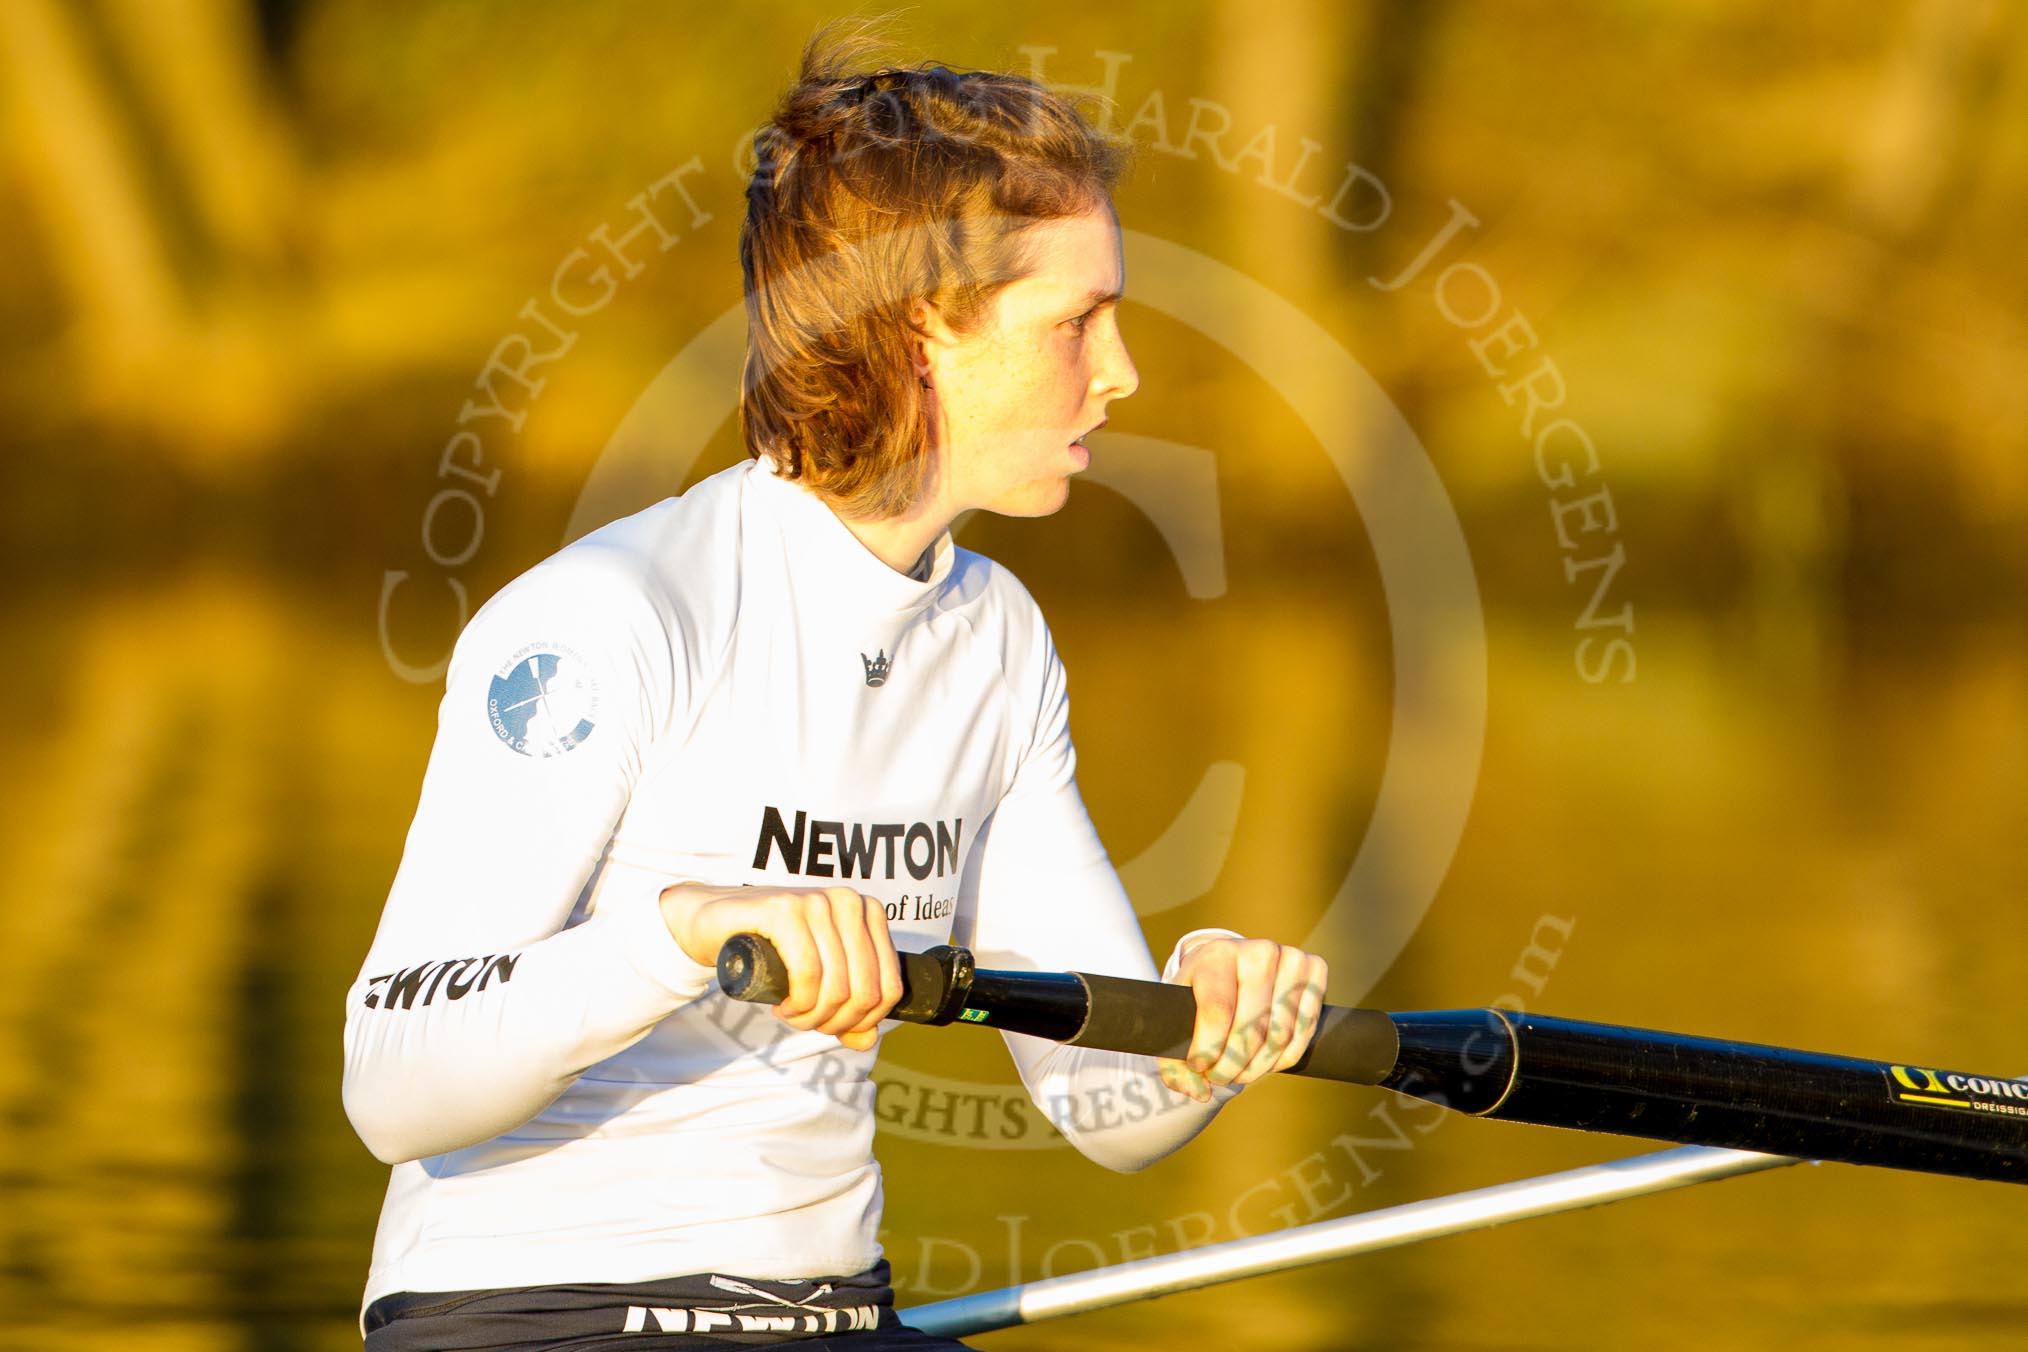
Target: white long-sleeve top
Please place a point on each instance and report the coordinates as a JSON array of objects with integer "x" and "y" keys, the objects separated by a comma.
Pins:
[{"x": 690, "y": 694}]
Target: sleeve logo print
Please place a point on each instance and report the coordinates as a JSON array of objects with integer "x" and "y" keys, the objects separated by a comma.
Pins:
[
  {"x": 399, "y": 989},
  {"x": 543, "y": 701}
]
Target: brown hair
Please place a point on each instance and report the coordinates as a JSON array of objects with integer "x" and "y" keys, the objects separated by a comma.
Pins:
[{"x": 871, "y": 191}]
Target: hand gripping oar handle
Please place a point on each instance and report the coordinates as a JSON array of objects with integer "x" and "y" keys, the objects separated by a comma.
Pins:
[
  {"x": 1150, "y": 1018},
  {"x": 933, "y": 984},
  {"x": 1517, "y": 1067}
]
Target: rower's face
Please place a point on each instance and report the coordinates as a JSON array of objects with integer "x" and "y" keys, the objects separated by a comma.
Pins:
[{"x": 1011, "y": 402}]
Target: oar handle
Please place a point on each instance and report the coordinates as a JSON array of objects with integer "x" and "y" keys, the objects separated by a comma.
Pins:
[
  {"x": 751, "y": 968},
  {"x": 1084, "y": 1009}
]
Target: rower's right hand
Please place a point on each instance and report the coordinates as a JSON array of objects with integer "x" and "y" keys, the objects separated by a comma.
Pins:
[{"x": 843, "y": 974}]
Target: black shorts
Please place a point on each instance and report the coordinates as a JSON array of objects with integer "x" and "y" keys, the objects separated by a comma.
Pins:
[{"x": 694, "y": 1313}]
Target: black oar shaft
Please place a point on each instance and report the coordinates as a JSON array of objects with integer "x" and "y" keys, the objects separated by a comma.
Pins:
[
  {"x": 1515, "y": 1067},
  {"x": 1705, "y": 1091}
]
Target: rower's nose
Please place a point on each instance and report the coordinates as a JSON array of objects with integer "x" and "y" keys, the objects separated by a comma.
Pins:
[{"x": 1114, "y": 376}]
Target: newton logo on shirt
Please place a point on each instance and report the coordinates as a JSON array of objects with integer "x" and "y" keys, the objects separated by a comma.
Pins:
[
  {"x": 543, "y": 701},
  {"x": 858, "y": 849}
]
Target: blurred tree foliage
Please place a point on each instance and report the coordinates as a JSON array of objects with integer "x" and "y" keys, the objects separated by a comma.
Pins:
[{"x": 258, "y": 251}]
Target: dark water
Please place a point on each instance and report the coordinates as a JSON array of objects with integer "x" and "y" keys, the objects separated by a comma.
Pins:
[{"x": 1776, "y": 832}]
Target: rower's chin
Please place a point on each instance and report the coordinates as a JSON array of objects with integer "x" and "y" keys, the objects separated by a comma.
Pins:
[{"x": 1041, "y": 497}]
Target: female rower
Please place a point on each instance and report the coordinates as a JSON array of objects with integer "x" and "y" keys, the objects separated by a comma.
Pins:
[{"x": 784, "y": 703}]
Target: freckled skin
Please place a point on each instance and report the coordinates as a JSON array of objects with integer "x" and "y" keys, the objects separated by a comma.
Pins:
[{"x": 1008, "y": 401}]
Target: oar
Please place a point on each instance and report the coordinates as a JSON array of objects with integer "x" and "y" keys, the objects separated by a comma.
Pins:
[
  {"x": 1303, "y": 1245},
  {"x": 1515, "y": 1067}
]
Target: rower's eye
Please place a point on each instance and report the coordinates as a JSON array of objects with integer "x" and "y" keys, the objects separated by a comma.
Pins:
[{"x": 1077, "y": 324}]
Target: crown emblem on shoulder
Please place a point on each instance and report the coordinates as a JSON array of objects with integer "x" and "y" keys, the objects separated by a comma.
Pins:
[{"x": 876, "y": 667}]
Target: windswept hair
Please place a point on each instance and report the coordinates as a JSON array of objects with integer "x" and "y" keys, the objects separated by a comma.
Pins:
[{"x": 870, "y": 191}]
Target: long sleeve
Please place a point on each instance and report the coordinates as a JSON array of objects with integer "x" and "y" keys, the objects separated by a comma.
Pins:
[
  {"x": 1041, "y": 895},
  {"x": 498, "y": 975}
]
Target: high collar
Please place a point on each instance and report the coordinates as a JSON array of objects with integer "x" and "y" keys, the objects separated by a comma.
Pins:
[{"x": 829, "y": 561}]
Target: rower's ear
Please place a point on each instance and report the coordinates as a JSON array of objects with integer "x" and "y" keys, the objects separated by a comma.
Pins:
[{"x": 929, "y": 337}]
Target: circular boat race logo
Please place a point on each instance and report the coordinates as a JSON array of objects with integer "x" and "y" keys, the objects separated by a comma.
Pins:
[{"x": 543, "y": 701}]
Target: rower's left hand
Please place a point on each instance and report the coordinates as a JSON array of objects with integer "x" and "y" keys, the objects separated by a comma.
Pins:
[{"x": 1257, "y": 1006}]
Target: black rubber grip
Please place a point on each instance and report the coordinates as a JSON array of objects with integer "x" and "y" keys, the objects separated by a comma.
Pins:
[
  {"x": 1149, "y": 1018},
  {"x": 1356, "y": 1046}
]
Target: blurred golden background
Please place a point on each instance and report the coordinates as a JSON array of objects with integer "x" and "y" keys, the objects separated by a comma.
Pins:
[{"x": 325, "y": 318}]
